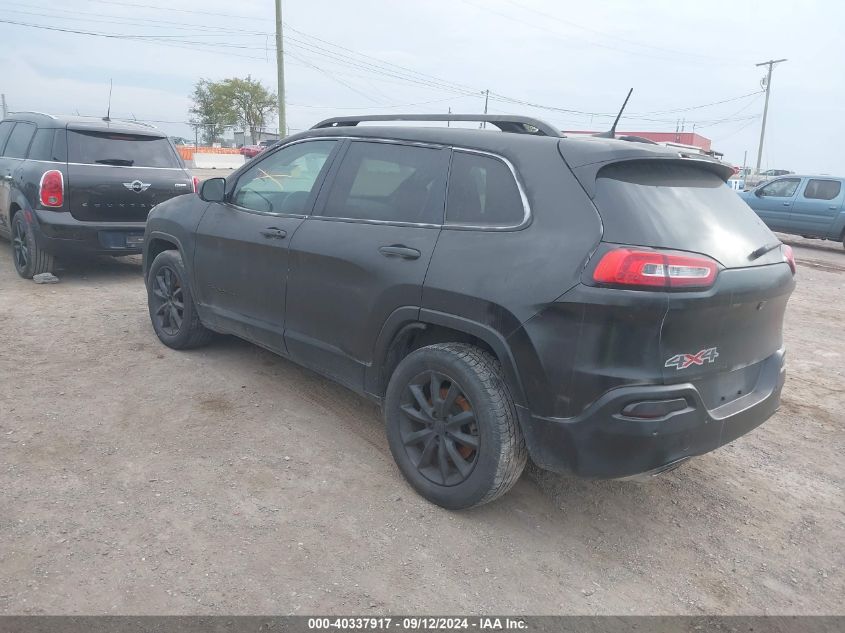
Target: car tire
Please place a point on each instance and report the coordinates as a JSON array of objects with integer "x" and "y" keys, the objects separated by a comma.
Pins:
[
  {"x": 171, "y": 304},
  {"x": 29, "y": 258},
  {"x": 471, "y": 419}
]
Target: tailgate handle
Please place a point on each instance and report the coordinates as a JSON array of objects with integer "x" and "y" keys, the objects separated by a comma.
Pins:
[
  {"x": 274, "y": 233},
  {"x": 399, "y": 251}
]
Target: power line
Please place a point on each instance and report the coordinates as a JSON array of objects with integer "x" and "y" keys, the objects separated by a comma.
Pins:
[
  {"x": 398, "y": 105},
  {"x": 731, "y": 117},
  {"x": 738, "y": 130},
  {"x": 138, "y": 38},
  {"x": 332, "y": 76},
  {"x": 616, "y": 37},
  {"x": 85, "y": 16},
  {"x": 704, "y": 105},
  {"x": 134, "y": 5},
  {"x": 569, "y": 38},
  {"x": 349, "y": 58}
]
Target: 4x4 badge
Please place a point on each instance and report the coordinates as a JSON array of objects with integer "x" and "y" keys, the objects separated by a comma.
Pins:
[
  {"x": 682, "y": 361},
  {"x": 137, "y": 186}
]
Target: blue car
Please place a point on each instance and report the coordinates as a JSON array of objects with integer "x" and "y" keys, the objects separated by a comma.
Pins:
[{"x": 810, "y": 206}]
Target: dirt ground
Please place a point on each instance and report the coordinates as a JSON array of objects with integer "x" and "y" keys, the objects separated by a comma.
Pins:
[{"x": 139, "y": 480}]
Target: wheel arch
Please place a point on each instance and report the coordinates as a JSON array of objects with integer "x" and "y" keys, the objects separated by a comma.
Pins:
[
  {"x": 156, "y": 244},
  {"x": 408, "y": 329},
  {"x": 17, "y": 204}
]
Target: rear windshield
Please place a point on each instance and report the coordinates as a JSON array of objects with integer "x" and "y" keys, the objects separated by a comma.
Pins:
[
  {"x": 671, "y": 205},
  {"x": 127, "y": 150}
]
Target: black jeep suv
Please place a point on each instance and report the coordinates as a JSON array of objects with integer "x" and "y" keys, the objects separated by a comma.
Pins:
[
  {"x": 71, "y": 184},
  {"x": 606, "y": 307}
]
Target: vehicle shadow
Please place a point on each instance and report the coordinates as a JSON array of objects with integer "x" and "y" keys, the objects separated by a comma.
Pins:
[
  {"x": 541, "y": 497},
  {"x": 96, "y": 268}
]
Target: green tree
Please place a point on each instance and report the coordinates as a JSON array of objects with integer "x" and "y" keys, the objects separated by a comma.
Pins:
[
  {"x": 211, "y": 110},
  {"x": 253, "y": 104}
]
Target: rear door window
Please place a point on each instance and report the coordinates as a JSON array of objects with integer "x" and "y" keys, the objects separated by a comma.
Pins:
[
  {"x": 389, "y": 182},
  {"x": 783, "y": 188},
  {"x": 125, "y": 150},
  {"x": 482, "y": 192},
  {"x": 18, "y": 142},
  {"x": 817, "y": 189},
  {"x": 42, "y": 145},
  {"x": 5, "y": 131}
]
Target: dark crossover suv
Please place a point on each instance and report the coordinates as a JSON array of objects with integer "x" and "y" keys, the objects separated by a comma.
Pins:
[
  {"x": 606, "y": 307},
  {"x": 71, "y": 184}
]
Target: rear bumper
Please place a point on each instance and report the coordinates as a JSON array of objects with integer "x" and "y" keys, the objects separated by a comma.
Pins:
[
  {"x": 59, "y": 233},
  {"x": 603, "y": 443}
]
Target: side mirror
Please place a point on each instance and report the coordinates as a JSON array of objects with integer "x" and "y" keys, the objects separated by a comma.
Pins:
[
  {"x": 213, "y": 190},
  {"x": 758, "y": 192}
]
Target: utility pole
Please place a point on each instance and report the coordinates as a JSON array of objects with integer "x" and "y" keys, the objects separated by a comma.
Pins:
[
  {"x": 486, "y": 99},
  {"x": 280, "y": 70},
  {"x": 770, "y": 64},
  {"x": 3, "y": 105}
]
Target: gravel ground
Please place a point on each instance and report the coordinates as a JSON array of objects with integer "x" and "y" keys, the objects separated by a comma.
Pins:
[{"x": 139, "y": 480}]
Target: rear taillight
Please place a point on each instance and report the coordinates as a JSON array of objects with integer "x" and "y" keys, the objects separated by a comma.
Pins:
[
  {"x": 655, "y": 270},
  {"x": 196, "y": 182},
  {"x": 788, "y": 256},
  {"x": 51, "y": 190}
]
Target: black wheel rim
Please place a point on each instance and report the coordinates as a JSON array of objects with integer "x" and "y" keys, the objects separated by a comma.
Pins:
[
  {"x": 438, "y": 429},
  {"x": 20, "y": 245},
  {"x": 168, "y": 301}
]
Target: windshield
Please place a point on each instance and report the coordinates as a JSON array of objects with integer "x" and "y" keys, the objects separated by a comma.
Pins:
[
  {"x": 127, "y": 150},
  {"x": 685, "y": 207}
]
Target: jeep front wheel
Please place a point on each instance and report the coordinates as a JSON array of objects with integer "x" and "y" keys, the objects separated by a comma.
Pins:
[{"x": 171, "y": 304}]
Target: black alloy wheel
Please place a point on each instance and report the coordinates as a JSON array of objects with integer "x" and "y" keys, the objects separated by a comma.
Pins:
[
  {"x": 20, "y": 245},
  {"x": 438, "y": 429},
  {"x": 168, "y": 303},
  {"x": 29, "y": 258}
]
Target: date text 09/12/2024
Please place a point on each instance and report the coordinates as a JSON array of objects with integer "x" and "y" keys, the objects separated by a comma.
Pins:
[{"x": 417, "y": 623}]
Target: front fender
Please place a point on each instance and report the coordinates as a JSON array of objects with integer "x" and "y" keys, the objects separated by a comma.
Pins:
[{"x": 176, "y": 221}]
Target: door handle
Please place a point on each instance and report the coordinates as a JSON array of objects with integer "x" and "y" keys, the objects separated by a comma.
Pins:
[
  {"x": 399, "y": 251},
  {"x": 786, "y": 204},
  {"x": 274, "y": 233},
  {"x": 833, "y": 208}
]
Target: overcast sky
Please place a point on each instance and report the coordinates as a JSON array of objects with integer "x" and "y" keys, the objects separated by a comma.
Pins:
[{"x": 568, "y": 57}]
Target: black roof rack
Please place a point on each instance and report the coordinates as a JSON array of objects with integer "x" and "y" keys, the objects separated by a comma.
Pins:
[{"x": 506, "y": 122}]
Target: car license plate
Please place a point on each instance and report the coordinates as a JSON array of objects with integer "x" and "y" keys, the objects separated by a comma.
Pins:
[{"x": 134, "y": 240}]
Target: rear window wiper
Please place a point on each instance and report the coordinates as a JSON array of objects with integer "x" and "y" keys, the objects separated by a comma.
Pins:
[
  {"x": 755, "y": 254},
  {"x": 122, "y": 162}
]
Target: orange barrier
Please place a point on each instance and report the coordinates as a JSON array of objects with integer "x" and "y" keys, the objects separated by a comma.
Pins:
[{"x": 187, "y": 153}]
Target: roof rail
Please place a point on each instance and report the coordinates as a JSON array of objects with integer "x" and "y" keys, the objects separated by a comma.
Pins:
[
  {"x": 33, "y": 112},
  {"x": 506, "y": 122}
]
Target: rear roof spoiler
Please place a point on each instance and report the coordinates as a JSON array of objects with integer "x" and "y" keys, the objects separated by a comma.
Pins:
[{"x": 506, "y": 122}]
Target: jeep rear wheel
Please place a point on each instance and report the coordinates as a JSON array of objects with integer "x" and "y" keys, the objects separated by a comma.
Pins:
[
  {"x": 171, "y": 304},
  {"x": 29, "y": 258},
  {"x": 452, "y": 426}
]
